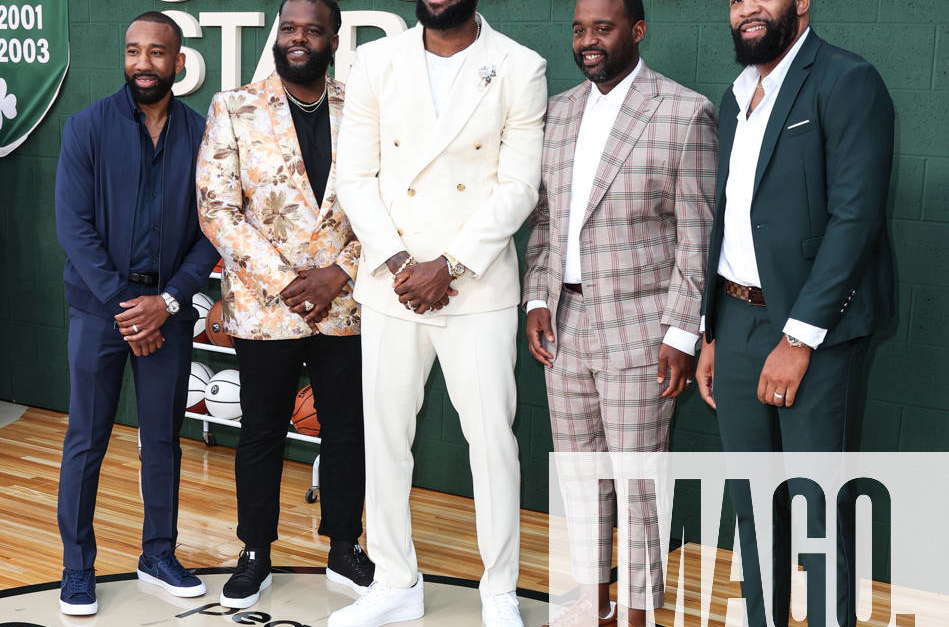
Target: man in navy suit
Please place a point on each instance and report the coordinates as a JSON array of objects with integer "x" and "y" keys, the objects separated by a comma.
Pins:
[{"x": 127, "y": 220}]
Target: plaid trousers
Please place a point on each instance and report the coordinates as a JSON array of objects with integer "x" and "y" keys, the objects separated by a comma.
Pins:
[{"x": 596, "y": 408}]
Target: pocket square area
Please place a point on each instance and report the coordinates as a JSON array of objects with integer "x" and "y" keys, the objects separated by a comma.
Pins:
[{"x": 799, "y": 124}]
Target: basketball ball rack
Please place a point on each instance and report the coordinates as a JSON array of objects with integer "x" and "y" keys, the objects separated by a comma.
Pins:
[{"x": 312, "y": 494}]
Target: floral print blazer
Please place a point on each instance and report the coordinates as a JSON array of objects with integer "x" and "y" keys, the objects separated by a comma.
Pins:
[{"x": 257, "y": 207}]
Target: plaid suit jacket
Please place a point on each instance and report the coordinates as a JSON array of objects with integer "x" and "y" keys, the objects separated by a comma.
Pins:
[{"x": 644, "y": 240}]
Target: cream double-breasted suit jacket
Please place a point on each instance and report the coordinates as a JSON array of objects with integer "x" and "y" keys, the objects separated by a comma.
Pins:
[{"x": 461, "y": 183}]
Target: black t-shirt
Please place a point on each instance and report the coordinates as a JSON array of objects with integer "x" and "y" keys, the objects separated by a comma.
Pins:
[{"x": 316, "y": 144}]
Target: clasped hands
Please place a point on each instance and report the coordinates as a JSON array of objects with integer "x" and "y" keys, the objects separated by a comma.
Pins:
[
  {"x": 421, "y": 287},
  {"x": 140, "y": 324},
  {"x": 311, "y": 294}
]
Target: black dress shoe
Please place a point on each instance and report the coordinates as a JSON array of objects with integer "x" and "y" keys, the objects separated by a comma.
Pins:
[
  {"x": 250, "y": 577},
  {"x": 349, "y": 566}
]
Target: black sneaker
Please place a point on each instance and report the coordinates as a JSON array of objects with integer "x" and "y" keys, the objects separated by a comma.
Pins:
[
  {"x": 349, "y": 566},
  {"x": 250, "y": 577}
]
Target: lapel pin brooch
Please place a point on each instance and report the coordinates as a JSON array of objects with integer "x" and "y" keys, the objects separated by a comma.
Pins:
[{"x": 487, "y": 73}]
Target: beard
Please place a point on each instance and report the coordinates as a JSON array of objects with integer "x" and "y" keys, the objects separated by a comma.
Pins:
[
  {"x": 610, "y": 68},
  {"x": 149, "y": 95},
  {"x": 778, "y": 36},
  {"x": 451, "y": 17},
  {"x": 313, "y": 70}
]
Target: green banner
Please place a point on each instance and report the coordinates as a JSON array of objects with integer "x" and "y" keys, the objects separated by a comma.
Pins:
[{"x": 34, "y": 57}]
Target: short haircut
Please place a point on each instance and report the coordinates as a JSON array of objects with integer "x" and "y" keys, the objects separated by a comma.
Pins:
[
  {"x": 158, "y": 17},
  {"x": 635, "y": 10},
  {"x": 333, "y": 7}
]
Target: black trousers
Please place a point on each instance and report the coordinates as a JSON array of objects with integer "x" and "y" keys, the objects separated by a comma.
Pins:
[
  {"x": 270, "y": 372},
  {"x": 824, "y": 418}
]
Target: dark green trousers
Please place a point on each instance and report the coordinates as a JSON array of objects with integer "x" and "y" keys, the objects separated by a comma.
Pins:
[{"x": 825, "y": 418}]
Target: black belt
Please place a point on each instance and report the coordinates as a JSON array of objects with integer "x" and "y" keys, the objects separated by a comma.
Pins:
[
  {"x": 143, "y": 279},
  {"x": 576, "y": 288}
]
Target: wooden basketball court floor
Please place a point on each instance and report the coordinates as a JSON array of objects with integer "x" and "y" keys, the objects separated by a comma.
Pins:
[{"x": 443, "y": 525}]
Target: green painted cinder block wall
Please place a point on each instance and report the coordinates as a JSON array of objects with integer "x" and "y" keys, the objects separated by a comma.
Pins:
[{"x": 688, "y": 40}]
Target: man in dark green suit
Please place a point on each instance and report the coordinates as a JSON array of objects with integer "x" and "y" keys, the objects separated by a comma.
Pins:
[{"x": 799, "y": 248}]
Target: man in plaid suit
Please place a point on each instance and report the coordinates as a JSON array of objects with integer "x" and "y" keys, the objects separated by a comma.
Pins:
[{"x": 615, "y": 274}]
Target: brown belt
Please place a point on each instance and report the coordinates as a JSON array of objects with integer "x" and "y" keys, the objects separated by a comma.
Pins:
[
  {"x": 576, "y": 288},
  {"x": 751, "y": 295}
]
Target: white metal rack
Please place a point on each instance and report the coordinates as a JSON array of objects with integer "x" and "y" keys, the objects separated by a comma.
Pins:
[{"x": 207, "y": 420}]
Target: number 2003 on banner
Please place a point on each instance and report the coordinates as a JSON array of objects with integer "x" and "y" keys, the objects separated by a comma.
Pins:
[{"x": 22, "y": 17}]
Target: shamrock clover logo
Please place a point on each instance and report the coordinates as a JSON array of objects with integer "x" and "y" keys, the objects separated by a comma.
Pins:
[{"x": 7, "y": 103}]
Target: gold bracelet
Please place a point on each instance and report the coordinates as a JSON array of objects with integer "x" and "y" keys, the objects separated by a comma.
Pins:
[{"x": 405, "y": 264}]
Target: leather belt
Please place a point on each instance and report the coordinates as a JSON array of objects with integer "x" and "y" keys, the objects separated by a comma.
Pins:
[
  {"x": 751, "y": 295},
  {"x": 143, "y": 279},
  {"x": 576, "y": 288}
]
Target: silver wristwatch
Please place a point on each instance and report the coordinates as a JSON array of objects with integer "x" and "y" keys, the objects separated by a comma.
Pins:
[
  {"x": 793, "y": 341},
  {"x": 171, "y": 303}
]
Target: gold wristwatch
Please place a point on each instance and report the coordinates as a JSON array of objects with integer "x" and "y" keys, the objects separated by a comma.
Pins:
[{"x": 455, "y": 268}]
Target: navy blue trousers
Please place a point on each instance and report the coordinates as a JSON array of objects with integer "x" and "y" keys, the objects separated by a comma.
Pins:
[{"x": 97, "y": 359}]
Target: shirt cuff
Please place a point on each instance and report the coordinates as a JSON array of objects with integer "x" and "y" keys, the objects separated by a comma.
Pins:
[
  {"x": 535, "y": 304},
  {"x": 174, "y": 292},
  {"x": 702, "y": 326},
  {"x": 807, "y": 333},
  {"x": 681, "y": 340}
]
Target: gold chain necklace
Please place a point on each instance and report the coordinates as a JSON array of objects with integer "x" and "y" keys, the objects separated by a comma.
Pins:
[{"x": 306, "y": 107}]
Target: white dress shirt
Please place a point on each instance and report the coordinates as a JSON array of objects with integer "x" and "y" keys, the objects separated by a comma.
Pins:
[
  {"x": 738, "y": 262},
  {"x": 599, "y": 117}
]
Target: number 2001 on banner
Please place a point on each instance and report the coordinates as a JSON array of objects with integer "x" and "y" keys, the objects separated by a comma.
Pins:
[{"x": 29, "y": 50}]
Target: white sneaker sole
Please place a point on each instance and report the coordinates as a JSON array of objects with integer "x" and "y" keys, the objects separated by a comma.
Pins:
[
  {"x": 342, "y": 580},
  {"x": 246, "y": 602},
  {"x": 78, "y": 610},
  {"x": 186, "y": 593},
  {"x": 402, "y": 614}
]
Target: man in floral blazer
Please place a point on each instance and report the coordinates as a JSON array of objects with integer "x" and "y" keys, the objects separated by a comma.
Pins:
[{"x": 267, "y": 201}]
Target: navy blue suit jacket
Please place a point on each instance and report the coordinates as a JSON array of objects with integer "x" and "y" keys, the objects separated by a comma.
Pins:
[{"x": 97, "y": 183}]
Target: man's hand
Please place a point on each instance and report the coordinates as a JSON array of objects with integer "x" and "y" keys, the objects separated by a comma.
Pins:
[
  {"x": 424, "y": 286},
  {"x": 782, "y": 374},
  {"x": 395, "y": 261},
  {"x": 705, "y": 372},
  {"x": 148, "y": 345},
  {"x": 143, "y": 316},
  {"x": 675, "y": 367},
  {"x": 312, "y": 292},
  {"x": 539, "y": 330}
]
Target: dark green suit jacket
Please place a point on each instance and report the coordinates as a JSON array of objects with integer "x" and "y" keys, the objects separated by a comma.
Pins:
[{"x": 819, "y": 207}]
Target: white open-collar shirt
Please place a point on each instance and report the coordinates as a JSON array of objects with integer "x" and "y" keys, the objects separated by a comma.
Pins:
[{"x": 599, "y": 117}]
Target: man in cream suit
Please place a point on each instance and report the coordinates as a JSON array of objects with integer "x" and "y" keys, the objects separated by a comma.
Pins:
[
  {"x": 615, "y": 270},
  {"x": 439, "y": 165}
]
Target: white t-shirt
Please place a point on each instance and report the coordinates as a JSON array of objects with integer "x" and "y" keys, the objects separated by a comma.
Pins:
[{"x": 442, "y": 72}]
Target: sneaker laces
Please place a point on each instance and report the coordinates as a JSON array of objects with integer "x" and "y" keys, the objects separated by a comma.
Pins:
[
  {"x": 376, "y": 590},
  {"x": 243, "y": 572},
  {"x": 172, "y": 564},
  {"x": 504, "y": 605},
  {"x": 361, "y": 562},
  {"x": 78, "y": 580}
]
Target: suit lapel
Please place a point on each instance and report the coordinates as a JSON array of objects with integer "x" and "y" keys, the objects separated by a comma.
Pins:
[
  {"x": 334, "y": 94},
  {"x": 285, "y": 134},
  {"x": 469, "y": 88},
  {"x": 575, "y": 108},
  {"x": 797, "y": 74},
  {"x": 633, "y": 118},
  {"x": 728, "y": 124}
]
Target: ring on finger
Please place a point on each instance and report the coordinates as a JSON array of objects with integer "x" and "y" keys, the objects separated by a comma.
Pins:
[
  {"x": 135, "y": 328},
  {"x": 308, "y": 306}
]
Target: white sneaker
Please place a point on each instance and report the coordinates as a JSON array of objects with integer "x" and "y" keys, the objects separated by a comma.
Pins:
[
  {"x": 500, "y": 610},
  {"x": 382, "y": 605}
]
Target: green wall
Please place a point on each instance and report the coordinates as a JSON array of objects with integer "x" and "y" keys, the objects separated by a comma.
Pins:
[{"x": 688, "y": 40}]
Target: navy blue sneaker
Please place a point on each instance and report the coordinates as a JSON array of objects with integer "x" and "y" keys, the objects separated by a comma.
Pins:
[
  {"x": 168, "y": 573},
  {"x": 77, "y": 592}
]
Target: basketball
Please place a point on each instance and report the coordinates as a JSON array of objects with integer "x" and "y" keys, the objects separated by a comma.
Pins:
[
  {"x": 304, "y": 418},
  {"x": 202, "y": 304},
  {"x": 223, "y": 395},
  {"x": 214, "y": 327},
  {"x": 197, "y": 384}
]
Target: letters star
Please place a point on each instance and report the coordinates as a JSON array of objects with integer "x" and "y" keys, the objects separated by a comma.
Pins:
[{"x": 7, "y": 103}]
